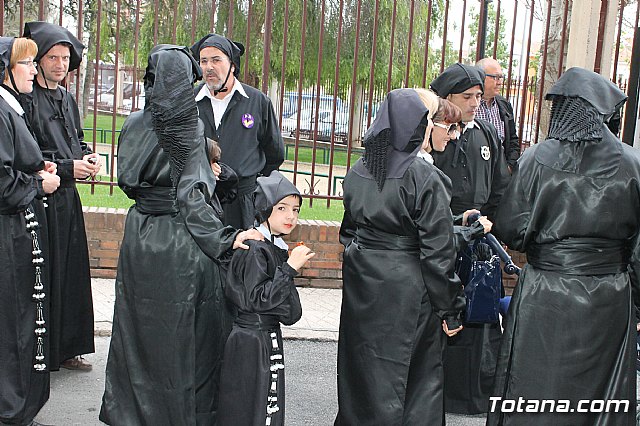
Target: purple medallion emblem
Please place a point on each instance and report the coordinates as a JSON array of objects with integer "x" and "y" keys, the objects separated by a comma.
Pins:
[{"x": 247, "y": 120}]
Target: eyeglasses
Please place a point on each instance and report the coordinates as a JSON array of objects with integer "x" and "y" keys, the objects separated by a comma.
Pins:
[
  {"x": 28, "y": 63},
  {"x": 496, "y": 77},
  {"x": 451, "y": 129}
]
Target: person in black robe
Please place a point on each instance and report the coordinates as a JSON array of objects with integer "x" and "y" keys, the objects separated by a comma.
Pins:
[
  {"x": 240, "y": 118},
  {"x": 170, "y": 317},
  {"x": 399, "y": 286},
  {"x": 260, "y": 284},
  {"x": 572, "y": 207},
  {"x": 477, "y": 168},
  {"x": 25, "y": 180},
  {"x": 55, "y": 120}
]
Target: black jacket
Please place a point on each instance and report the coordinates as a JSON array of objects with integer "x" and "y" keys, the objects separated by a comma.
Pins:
[
  {"x": 511, "y": 144},
  {"x": 249, "y": 149}
]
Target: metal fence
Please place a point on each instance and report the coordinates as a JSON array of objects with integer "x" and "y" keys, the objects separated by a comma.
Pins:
[{"x": 326, "y": 64}]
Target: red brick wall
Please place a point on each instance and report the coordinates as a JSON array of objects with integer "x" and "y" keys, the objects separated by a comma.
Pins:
[{"x": 105, "y": 228}]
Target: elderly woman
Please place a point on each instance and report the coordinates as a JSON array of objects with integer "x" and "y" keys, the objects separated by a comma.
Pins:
[
  {"x": 25, "y": 179},
  {"x": 170, "y": 319},
  {"x": 398, "y": 274}
]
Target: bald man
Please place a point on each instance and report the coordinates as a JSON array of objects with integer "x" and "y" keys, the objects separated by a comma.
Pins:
[{"x": 497, "y": 110}]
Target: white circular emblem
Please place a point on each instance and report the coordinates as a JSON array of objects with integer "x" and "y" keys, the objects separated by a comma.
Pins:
[{"x": 485, "y": 152}]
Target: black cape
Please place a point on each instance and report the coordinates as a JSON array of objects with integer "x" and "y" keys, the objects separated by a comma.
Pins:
[
  {"x": 249, "y": 151},
  {"x": 399, "y": 283},
  {"x": 55, "y": 121},
  {"x": 170, "y": 318},
  {"x": 260, "y": 284},
  {"x": 570, "y": 333},
  {"x": 23, "y": 391}
]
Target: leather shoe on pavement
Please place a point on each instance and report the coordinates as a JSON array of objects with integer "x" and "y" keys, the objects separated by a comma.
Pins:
[{"x": 76, "y": 363}]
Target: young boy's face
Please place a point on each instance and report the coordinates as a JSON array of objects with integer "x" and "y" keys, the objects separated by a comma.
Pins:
[{"x": 284, "y": 216}]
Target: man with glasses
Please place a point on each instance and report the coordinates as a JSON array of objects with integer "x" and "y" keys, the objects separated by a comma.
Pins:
[
  {"x": 240, "y": 118},
  {"x": 54, "y": 119},
  {"x": 498, "y": 111},
  {"x": 474, "y": 161}
]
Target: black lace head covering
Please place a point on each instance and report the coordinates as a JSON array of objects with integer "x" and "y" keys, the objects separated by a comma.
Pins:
[
  {"x": 47, "y": 35},
  {"x": 456, "y": 79},
  {"x": 395, "y": 136},
  {"x": 232, "y": 49},
  {"x": 582, "y": 101},
  {"x": 169, "y": 78},
  {"x": 269, "y": 191}
]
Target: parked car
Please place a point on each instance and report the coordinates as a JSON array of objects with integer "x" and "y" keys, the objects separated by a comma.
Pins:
[
  {"x": 325, "y": 123},
  {"x": 308, "y": 102}
]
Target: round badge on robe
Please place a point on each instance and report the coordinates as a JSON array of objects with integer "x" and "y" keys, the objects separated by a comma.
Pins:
[
  {"x": 247, "y": 120},
  {"x": 485, "y": 153}
]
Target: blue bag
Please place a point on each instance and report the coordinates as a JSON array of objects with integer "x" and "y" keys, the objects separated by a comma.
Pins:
[{"x": 479, "y": 270}]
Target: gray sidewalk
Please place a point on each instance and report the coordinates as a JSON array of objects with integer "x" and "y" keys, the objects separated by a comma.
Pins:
[{"x": 320, "y": 312}]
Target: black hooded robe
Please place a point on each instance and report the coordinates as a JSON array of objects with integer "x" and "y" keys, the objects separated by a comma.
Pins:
[
  {"x": 170, "y": 319},
  {"x": 570, "y": 333},
  {"x": 249, "y": 151},
  {"x": 260, "y": 284},
  {"x": 572, "y": 206},
  {"x": 55, "y": 121},
  {"x": 397, "y": 269},
  {"x": 398, "y": 275},
  {"x": 23, "y": 391}
]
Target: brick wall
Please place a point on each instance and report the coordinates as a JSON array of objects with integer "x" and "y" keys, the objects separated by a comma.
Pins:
[{"x": 105, "y": 228}]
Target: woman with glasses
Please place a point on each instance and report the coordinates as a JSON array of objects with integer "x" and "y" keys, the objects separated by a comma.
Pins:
[{"x": 25, "y": 180}]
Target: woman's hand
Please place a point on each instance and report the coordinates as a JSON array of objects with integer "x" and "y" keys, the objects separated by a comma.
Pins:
[
  {"x": 250, "y": 234},
  {"x": 50, "y": 181},
  {"x": 466, "y": 215},
  {"x": 299, "y": 256},
  {"x": 486, "y": 224},
  {"x": 448, "y": 332}
]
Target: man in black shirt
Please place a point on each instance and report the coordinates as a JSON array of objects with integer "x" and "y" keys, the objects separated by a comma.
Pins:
[
  {"x": 240, "y": 118},
  {"x": 55, "y": 121},
  {"x": 475, "y": 160}
]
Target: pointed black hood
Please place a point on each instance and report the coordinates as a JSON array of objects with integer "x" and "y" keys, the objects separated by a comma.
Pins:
[
  {"x": 597, "y": 90},
  {"x": 47, "y": 35}
]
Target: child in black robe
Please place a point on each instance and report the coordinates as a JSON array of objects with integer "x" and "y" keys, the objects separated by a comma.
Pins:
[{"x": 260, "y": 284}]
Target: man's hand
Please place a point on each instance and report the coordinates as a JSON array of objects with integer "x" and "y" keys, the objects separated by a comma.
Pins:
[{"x": 89, "y": 166}]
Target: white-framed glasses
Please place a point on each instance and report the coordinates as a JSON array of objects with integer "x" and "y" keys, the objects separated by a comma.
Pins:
[
  {"x": 28, "y": 63},
  {"x": 451, "y": 129}
]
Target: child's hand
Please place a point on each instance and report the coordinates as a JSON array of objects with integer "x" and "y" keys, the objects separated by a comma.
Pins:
[
  {"x": 299, "y": 256},
  {"x": 215, "y": 167}
]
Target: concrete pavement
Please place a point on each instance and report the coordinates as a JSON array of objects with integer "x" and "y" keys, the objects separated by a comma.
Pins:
[{"x": 320, "y": 312}]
